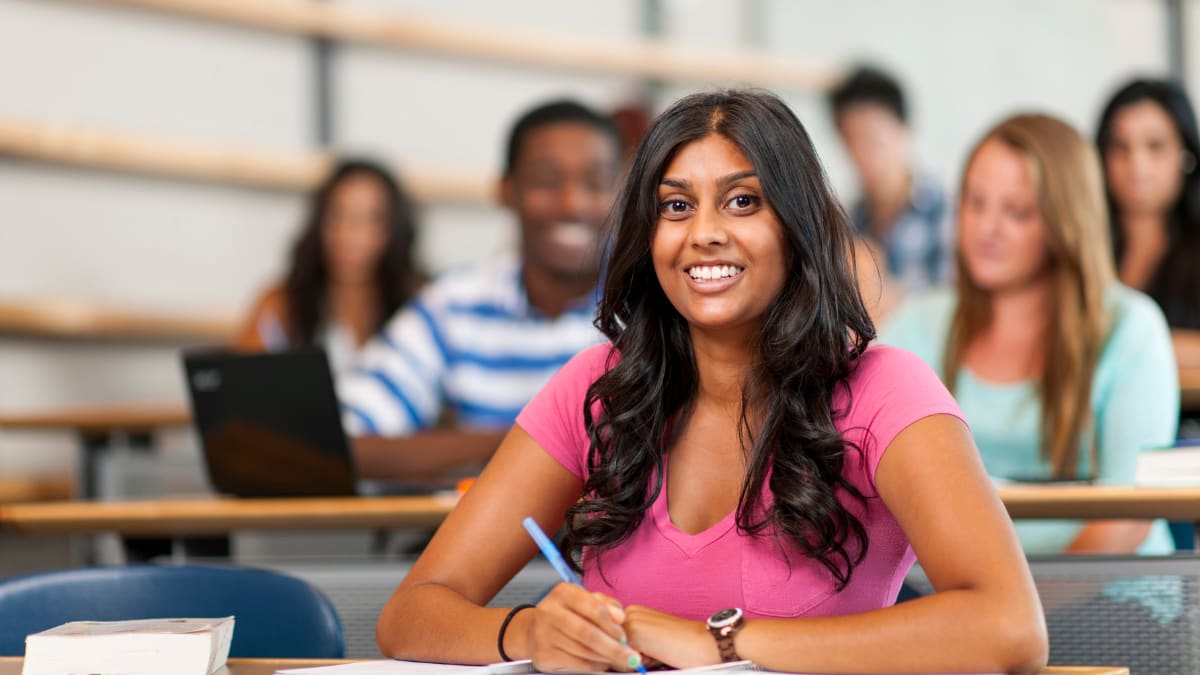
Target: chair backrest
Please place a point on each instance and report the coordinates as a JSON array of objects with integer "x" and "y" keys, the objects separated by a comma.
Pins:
[
  {"x": 1136, "y": 611},
  {"x": 276, "y": 615}
]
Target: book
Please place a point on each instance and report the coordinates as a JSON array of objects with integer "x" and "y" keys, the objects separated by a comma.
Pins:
[
  {"x": 1177, "y": 466},
  {"x": 141, "y": 647}
]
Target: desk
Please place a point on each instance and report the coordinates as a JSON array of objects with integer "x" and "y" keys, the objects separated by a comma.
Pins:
[
  {"x": 96, "y": 426},
  {"x": 81, "y": 320},
  {"x": 200, "y": 516},
  {"x": 10, "y": 665},
  {"x": 219, "y": 516},
  {"x": 1092, "y": 501},
  {"x": 99, "y": 419},
  {"x": 1189, "y": 390}
]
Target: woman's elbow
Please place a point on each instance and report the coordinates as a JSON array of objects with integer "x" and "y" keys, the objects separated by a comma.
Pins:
[
  {"x": 1022, "y": 644},
  {"x": 391, "y": 633}
]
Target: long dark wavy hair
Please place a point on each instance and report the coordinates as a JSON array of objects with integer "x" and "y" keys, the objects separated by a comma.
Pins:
[
  {"x": 1176, "y": 283},
  {"x": 397, "y": 276},
  {"x": 812, "y": 334}
]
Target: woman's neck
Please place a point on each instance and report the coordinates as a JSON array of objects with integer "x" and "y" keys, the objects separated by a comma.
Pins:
[
  {"x": 354, "y": 305},
  {"x": 1145, "y": 243},
  {"x": 1012, "y": 347},
  {"x": 722, "y": 364},
  {"x": 1023, "y": 310}
]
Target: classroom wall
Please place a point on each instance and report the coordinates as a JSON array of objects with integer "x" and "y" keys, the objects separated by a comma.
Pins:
[{"x": 156, "y": 243}]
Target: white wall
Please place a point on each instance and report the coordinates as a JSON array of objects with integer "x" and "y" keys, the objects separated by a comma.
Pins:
[{"x": 141, "y": 242}]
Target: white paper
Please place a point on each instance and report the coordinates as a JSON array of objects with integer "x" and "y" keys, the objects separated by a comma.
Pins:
[{"x": 389, "y": 667}]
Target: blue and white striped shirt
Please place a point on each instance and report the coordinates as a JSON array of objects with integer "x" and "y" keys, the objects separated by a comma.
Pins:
[{"x": 469, "y": 343}]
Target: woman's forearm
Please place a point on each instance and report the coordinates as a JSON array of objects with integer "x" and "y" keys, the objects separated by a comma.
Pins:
[
  {"x": 951, "y": 631},
  {"x": 428, "y": 621}
]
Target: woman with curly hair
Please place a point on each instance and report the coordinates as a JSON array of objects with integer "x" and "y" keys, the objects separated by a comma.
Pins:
[{"x": 740, "y": 476}]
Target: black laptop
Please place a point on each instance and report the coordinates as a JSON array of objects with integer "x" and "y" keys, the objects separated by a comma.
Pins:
[{"x": 270, "y": 423}]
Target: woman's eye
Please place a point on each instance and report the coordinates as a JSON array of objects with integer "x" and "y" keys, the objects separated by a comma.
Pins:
[
  {"x": 743, "y": 201},
  {"x": 673, "y": 206}
]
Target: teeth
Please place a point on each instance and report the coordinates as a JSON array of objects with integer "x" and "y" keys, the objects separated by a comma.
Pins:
[{"x": 709, "y": 272}]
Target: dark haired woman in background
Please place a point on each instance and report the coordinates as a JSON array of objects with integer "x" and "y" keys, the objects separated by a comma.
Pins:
[
  {"x": 1150, "y": 146},
  {"x": 351, "y": 268},
  {"x": 740, "y": 475}
]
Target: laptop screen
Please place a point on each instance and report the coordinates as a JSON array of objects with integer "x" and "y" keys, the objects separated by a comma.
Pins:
[{"x": 269, "y": 423}]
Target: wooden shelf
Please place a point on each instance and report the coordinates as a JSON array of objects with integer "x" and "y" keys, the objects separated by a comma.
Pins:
[
  {"x": 79, "y": 320},
  {"x": 35, "y": 488},
  {"x": 549, "y": 50},
  {"x": 177, "y": 517},
  {"x": 225, "y": 164},
  {"x": 98, "y": 419}
]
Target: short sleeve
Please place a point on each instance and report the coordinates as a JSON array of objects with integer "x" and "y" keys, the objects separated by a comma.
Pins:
[
  {"x": 396, "y": 385},
  {"x": 889, "y": 390},
  {"x": 554, "y": 417}
]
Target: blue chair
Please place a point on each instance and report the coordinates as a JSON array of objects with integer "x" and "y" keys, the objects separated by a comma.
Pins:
[{"x": 276, "y": 615}]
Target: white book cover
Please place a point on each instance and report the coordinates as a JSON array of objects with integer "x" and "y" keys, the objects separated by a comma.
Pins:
[
  {"x": 1168, "y": 467},
  {"x": 142, "y": 647}
]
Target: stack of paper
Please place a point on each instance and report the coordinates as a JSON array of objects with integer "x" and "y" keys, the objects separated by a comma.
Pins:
[
  {"x": 1168, "y": 467},
  {"x": 145, "y": 647},
  {"x": 509, "y": 668}
]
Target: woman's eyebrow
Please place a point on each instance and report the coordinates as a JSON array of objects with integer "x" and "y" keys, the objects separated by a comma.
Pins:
[
  {"x": 734, "y": 177},
  {"x": 721, "y": 182}
]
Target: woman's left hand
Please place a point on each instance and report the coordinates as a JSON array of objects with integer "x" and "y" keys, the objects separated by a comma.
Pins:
[{"x": 678, "y": 643}]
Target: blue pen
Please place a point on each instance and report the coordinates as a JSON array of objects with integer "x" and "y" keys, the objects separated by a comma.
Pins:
[{"x": 564, "y": 570}]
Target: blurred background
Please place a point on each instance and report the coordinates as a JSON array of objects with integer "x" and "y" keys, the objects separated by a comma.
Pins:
[{"x": 154, "y": 154}]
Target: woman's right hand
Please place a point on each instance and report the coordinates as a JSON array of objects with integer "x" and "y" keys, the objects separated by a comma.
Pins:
[{"x": 575, "y": 630}]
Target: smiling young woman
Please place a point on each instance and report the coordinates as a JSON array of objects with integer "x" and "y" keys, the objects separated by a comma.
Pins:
[{"x": 739, "y": 474}]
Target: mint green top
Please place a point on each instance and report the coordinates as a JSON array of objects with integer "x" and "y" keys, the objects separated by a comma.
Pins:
[{"x": 1135, "y": 403}]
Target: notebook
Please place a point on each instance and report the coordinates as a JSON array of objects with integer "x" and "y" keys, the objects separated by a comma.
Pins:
[{"x": 269, "y": 424}]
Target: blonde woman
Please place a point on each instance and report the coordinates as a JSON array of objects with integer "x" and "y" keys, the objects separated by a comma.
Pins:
[{"x": 1062, "y": 372}]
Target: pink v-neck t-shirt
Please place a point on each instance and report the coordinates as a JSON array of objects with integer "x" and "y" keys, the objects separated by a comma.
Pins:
[{"x": 694, "y": 575}]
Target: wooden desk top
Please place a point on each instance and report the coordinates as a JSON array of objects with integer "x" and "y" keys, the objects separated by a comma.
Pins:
[
  {"x": 203, "y": 515},
  {"x": 1189, "y": 390},
  {"x": 12, "y": 666},
  {"x": 219, "y": 516},
  {"x": 16, "y": 489},
  {"x": 99, "y": 419},
  {"x": 1092, "y": 501},
  {"x": 87, "y": 321}
]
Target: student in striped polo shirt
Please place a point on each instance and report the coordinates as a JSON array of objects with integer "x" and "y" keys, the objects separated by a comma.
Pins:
[{"x": 476, "y": 344}]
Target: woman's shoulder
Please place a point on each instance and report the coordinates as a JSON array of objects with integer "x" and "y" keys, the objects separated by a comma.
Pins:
[
  {"x": 936, "y": 301},
  {"x": 269, "y": 310},
  {"x": 921, "y": 322},
  {"x": 272, "y": 299},
  {"x": 884, "y": 362},
  {"x": 1135, "y": 319},
  {"x": 592, "y": 362}
]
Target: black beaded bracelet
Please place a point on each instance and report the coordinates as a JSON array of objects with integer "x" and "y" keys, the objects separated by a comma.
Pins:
[{"x": 504, "y": 626}]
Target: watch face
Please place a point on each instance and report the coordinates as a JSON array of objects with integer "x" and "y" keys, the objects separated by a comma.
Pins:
[{"x": 725, "y": 617}]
